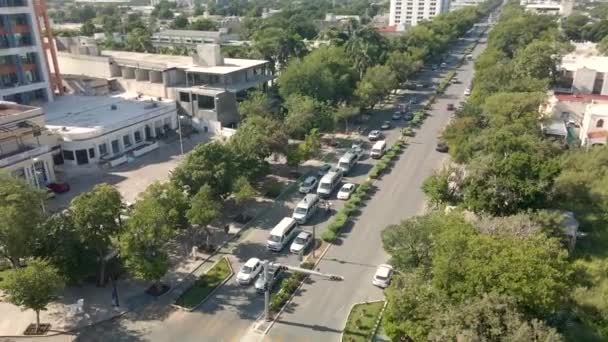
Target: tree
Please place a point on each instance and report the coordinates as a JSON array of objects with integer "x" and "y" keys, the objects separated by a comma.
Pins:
[
  {"x": 242, "y": 190},
  {"x": 344, "y": 113},
  {"x": 139, "y": 40},
  {"x": 180, "y": 22},
  {"x": 172, "y": 199},
  {"x": 164, "y": 9},
  {"x": 312, "y": 144},
  {"x": 573, "y": 24},
  {"x": 33, "y": 287},
  {"x": 143, "y": 244},
  {"x": 403, "y": 65},
  {"x": 278, "y": 45},
  {"x": 256, "y": 104},
  {"x": 96, "y": 215},
  {"x": 537, "y": 60},
  {"x": 437, "y": 188},
  {"x": 20, "y": 215},
  {"x": 203, "y": 25},
  {"x": 259, "y": 136},
  {"x": 204, "y": 209},
  {"x": 366, "y": 47},
  {"x": 602, "y": 46},
  {"x": 490, "y": 317},
  {"x": 325, "y": 75},
  {"x": 302, "y": 115},
  {"x": 376, "y": 84},
  {"x": 59, "y": 243},
  {"x": 211, "y": 164},
  {"x": 88, "y": 28}
]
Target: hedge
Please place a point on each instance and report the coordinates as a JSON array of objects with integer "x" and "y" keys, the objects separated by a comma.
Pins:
[{"x": 288, "y": 286}]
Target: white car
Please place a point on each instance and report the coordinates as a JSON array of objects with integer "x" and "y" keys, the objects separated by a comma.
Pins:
[
  {"x": 396, "y": 116},
  {"x": 467, "y": 92},
  {"x": 249, "y": 271},
  {"x": 345, "y": 191},
  {"x": 374, "y": 135},
  {"x": 301, "y": 242},
  {"x": 308, "y": 185},
  {"x": 382, "y": 278}
]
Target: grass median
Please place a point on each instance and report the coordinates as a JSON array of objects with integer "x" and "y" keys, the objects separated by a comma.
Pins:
[
  {"x": 361, "y": 322},
  {"x": 205, "y": 284}
]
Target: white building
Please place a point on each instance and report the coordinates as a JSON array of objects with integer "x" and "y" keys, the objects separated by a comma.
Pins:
[
  {"x": 455, "y": 5},
  {"x": 406, "y": 13},
  {"x": 24, "y": 74},
  {"x": 551, "y": 7},
  {"x": 25, "y": 145},
  {"x": 583, "y": 71},
  {"x": 108, "y": 129}
]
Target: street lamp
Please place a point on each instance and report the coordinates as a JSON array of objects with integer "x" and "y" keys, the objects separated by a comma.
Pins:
[
  {"x": 37, "y": 182},
  {"x": 179, "y": 129}
]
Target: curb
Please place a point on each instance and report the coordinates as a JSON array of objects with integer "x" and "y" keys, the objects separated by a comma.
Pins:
[
  {"x": 210, "y": 293},
  {"x": 376, "y": 324}
]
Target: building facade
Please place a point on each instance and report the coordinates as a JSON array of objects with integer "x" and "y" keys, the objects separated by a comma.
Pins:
[
  {"x": 25, "y": 145},
  {"x": 550, "y": 7},
  {"x": 583, "y": 71},
  {"x": 406, "y": 13},
  {"x": 192, "y": 38},
  {"x": 455, "y": 5},
  {"x": 24, "y": 74}
]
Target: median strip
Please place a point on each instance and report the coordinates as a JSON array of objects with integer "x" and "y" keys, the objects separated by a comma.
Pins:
[
  {"x": 205, "y": 285},
  {"x": 362, "y": 322}
]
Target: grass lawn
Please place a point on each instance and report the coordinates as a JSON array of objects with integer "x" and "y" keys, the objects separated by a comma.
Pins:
[
  {"x": 204, "y": 285},
  {"x": 361, "y": 321}
]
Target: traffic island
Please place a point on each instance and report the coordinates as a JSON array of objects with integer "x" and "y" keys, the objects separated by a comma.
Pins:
[
  {"x": 205, "y": 285},
  {"x": 362, "y": 322}
]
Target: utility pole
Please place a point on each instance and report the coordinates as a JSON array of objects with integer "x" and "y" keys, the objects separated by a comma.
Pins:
[
  {"x": 314, "y": 240},
  {"x": 267, "y": 264}
]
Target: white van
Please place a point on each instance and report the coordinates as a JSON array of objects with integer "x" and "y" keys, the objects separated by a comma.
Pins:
[
  {"x": 306, "y": 208},
  {"x": 282, "y": 234},
  {"x": 348, "y": 160},
  {"x": 329, "y": 182},
  {"x": 378, "y": 149}
]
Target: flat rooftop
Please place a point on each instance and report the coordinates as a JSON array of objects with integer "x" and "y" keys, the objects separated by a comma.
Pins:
[
  {"x": 11, "y": 108},
  {"x": 77, "y": 117},
  {"x": 183, "y": 62},
  {"x": 587, "y": 56}
]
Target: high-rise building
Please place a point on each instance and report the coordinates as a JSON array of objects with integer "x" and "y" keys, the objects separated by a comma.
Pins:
[
  {"x": 24, "y": 69},
  {"x": 405, "y": 13}
]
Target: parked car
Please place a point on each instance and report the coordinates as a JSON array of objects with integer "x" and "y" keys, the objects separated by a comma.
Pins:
[
  {"x": 382, "y": 278},
  {"x": 408, "y": 116},
  {"x": 443, "y": 65},
  {"x": 396, "y": 116},
  {"x": 386, "y": 125},
  {"x": 374, "y": 135},
  {"x": 274, "y": 274},
  {"x": 308, "y": 185},
  {"x": 249, "y": 271},
  {"x": 59, "y": 188},
  {"x": 413, "y": 100},
  {"x": 467, "y": 92},
  {"x": 301, "y": 242},
  {"x": 323, "y": 170},
  {"x": 450, "y": 106},
  {"x": 442, "y": 147},
  {"x": 345, "y": 191}
]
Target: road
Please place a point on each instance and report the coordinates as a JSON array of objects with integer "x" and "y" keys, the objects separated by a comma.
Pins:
[{"x": 320, "y": 308}]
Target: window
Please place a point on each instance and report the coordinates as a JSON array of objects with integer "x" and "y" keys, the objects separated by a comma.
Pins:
[
  {"x": 91, "y": 153},
  {"x": 126, "y": 140},
  {"x": 103, "y": 149},
  {"x": 184, "y": 97},
  {"x": 137, "y": 135},
  {"x": 206, "y": 102},
  {"x": 68, "y": 155},
  {"x": 599, "y": 123},
  {"x": 115, "y": 147}
]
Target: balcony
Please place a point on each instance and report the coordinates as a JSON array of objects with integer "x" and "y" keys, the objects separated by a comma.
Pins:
[{"x": 24, "y": 153}]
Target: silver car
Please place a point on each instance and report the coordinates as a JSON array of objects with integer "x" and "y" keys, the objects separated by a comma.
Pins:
[{"x": 274, "y": 277}]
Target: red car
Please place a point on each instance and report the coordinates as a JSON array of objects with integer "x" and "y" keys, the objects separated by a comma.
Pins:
[
  {"x": 59, "y": 188},
  {"x": 450, "y": 106}
]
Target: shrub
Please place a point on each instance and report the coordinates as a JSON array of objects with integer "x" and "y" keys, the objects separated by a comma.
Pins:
[
  {"x": 274, "y": 189},
  {"x": 349, "y": 208},
  {"x": 407, "y": 132},
  {"x": 364, "y": 187},
  {"x": 309, "y": 265},
  {"x": 329, "y": 235},
  {"x": 374, "y": 172}
]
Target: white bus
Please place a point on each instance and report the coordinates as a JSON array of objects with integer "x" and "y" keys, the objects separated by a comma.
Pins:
[
  {"x": 329, "y": 182},
  {"x": 347, "y": 161}
]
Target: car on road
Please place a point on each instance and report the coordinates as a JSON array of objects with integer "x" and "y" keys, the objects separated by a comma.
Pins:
[
  {"x": 357, "y": 148},
  {"x": 443, "y": 65},
  {"x": 396, "y": 116},
  {"x": 467, "y": 92},
  {"x": 413, "y": 100},
  {"x": 249, "y": 271},
  {"x": 308, "y": 184},
  {"x": 434, "y": 67},
  {"x": 450, "y": 106},
  {"x": 58, "y": 188},
  {"x": 274, "y": 274},
  {"x": 386, "y": 125},
  {"x": 346, "y": 190},
  {"x": 323, "y": 170},
  {"x": 301, "y": 242},
  {"x": 442, "y": 147},
  {"x": 408, "y": 116},
  {"x": 382, "y": 277},
  {"x": 374, "y": 135}
]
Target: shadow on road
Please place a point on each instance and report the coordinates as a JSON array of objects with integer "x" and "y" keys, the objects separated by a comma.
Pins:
[{"x": 315, "y": 327}]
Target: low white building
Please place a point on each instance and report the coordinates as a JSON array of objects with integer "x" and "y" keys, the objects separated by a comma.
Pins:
[
  {"x": 584, "y": 71},
  {"x": 99, "y": 129},
  {"x": 550, "y": 7}
]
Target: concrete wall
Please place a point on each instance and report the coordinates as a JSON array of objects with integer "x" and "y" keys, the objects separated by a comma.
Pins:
[
  {"x": 583, "y": 81},
  {"x": 144, "y": 87},
  {"x": 227, "y": 110},
  {"x": 92, "y": 66}
]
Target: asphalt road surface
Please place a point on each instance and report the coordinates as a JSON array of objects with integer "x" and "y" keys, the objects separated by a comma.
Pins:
[{"x": 319, "y": 310}]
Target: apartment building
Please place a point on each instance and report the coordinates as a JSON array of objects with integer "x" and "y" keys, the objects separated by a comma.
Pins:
[
  {"x": 24, "y": 74},
  {"x": 25, "y": 144},
  {"x": 192, "y": 38},
  {"x": 407, "y": 13},
  {"x": 550, "y": 7},
  {"x": 455, "y": 5}
]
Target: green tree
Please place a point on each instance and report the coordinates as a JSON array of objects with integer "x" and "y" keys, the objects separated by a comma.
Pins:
[
  {"x": 366, "y": 48},
  {"x": 20, "y": 215},
  {"x": 377, "y": 83},
  {"x": 256, "y": 104},
  {"x": 242, "y": 190},
  {"x": 180, "y": 22},
  {"x": 278, "y": 45},
  {"x": 403, "y": 65},
  {"x": 302, "y": 115},
  {"x": 602, "y": 46},
  {"x": 537, "y": 60},
  {"x": 96, "y": 215},
  {"x": 344, "y": 113},
  {"x": 33, "y": 287},
  {"x": 573, "y": 24},
  {"x": 88, "y": 28},
  {"x": 259, "y": 136},
  {"x": 203, "y": 25},
  {"x": 312, "y": 144},
  {"x": 437, "y": 188},
  {"x": 164, "y": 9},
  {"x": 143, "y": 244},
  {"x": 172, "y": 199},
  {"x": 204, "y": 209},
  {"x": 295, "y": 155},
  {"x": 139, "y": 40}
]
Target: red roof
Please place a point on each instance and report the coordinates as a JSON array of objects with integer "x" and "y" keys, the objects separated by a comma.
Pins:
[
  {"x": 597, "y": 134},
  {"x": 581, "y": 97}
]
